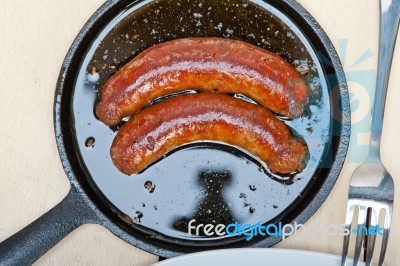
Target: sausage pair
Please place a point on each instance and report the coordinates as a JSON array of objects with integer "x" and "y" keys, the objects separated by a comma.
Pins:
[{"x": 209, "y": 65}]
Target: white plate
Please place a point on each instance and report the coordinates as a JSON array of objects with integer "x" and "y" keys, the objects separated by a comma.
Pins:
[{"x": 255, "y": 257}]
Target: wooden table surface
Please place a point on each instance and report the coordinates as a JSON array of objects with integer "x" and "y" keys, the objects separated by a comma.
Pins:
[{"x": 34, "y": 38}]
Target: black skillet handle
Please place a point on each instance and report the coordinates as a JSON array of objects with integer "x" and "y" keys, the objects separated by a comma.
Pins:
[{"x": 29, "y": 244}]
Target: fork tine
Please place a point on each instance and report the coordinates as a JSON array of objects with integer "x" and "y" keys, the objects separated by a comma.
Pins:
[
  {"x": 372, "y": 237},
  {"x": 362, "y": 216},
  {"x": 386, "y": 231},
  {"x": 346, "y": 239},
  {"x": 384, "y": 245}
]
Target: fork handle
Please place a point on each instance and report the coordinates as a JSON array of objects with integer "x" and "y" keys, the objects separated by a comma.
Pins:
[{"x": 389, "y": 24}]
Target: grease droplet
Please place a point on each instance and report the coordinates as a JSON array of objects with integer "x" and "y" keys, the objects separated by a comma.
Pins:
[
  {"x": 137, "y": 217},
  {"x": 149, "y": 186},
  {"x": 253, "y": 187},
  {"x": 90, "y": 142}
]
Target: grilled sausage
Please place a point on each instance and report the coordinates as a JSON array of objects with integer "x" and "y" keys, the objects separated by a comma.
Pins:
[
  {"x": 160, "y": 128},
  {"x": 205, "y": 64}
]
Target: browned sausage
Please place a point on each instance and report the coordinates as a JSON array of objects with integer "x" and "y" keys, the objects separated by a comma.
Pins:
[
  {"x": 160, "y": 128},
  {"x": 207, "y": 64}
]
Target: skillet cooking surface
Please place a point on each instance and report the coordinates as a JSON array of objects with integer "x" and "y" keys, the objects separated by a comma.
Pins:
[{"x": 211, "y": 182}]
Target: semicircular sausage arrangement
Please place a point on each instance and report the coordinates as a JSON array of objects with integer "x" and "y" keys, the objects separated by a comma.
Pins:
[{"x": 215, "y": 67}]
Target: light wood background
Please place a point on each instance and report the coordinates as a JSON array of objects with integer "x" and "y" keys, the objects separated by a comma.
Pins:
[{"x": 34, "y": 38}]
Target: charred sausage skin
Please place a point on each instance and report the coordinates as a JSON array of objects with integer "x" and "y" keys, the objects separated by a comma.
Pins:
[
  {"x": 160, "y": 128},
  {"x": 205, "y": 64}
]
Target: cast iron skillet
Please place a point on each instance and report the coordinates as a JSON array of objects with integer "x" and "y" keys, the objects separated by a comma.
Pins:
[{"x": 206, "y": 181}]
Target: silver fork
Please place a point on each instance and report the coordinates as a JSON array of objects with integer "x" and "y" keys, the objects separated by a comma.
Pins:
[{"x": 371, "y": 186}]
